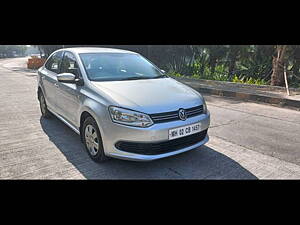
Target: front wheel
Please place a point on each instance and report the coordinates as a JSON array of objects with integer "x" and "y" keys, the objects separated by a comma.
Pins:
[{"x": 92, "y": 140}]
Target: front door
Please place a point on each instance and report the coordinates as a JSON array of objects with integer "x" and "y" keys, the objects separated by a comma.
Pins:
[{"x": 68, "y": 95}]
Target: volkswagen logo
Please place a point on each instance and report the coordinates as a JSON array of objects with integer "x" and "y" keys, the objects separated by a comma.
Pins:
[{"x": 182, "y": 114}]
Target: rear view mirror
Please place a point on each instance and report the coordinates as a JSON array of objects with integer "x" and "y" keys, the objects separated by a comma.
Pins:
[
  {"x": 66, "y": 78},
  {"x": 69, "y": 78}
]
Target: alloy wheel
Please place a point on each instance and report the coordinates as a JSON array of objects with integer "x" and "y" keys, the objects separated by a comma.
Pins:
[{"x": 91, "y": 140}]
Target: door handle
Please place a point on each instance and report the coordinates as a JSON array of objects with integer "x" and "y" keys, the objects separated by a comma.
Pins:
[{"x": 56, "y": 85}]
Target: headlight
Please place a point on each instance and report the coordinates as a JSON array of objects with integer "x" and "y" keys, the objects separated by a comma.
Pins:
[
  {"x": 204, "y": 106},
  {"x": 130, "y": 118}
]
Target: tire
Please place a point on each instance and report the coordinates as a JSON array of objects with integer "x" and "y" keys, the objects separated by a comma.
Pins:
[
  {"x": 92, "y": 140},
  {"x": 43, "y": 106}
]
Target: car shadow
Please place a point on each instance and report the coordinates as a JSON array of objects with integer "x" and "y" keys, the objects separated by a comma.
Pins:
[{"x": 201, "y": 163}]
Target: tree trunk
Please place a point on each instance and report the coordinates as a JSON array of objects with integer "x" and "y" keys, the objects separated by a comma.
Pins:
[
  {"x": 212, "y": 64},
  {"x": 41, "y": 52},
  {"x": 277, "y": 78},
  {"x": 234, "y": 52},
  {"x": 231, "y": 68}
]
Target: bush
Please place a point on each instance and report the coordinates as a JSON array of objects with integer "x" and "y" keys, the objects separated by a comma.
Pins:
[
  {"x": 251, "y": 80},
  {"x": 201, "y": 70},
  {"x": 220, "y": 75},
  {"x": 174, "y": 74}
]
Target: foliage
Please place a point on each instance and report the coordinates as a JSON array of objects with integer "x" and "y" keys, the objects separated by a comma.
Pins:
[
  {"x": 213, "y": 62},
  {"x": 249, "y": 80},
  {"x": 7, "y": 51},
  {"x": 222, "y": 77},
  {"x": 48, "y": 49}
]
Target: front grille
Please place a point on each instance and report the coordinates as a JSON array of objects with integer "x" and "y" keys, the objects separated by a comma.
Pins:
[
  {"x": 161, "y": 147},
  {"x": 173, "y": 116}
]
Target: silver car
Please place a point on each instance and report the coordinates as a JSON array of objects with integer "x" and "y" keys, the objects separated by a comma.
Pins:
[{"x": 121, "y": 104}]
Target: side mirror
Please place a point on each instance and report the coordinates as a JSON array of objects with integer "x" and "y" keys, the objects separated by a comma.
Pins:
[
  {"x": 69, "y": 78},
  {"x": 66, "y": 78}
]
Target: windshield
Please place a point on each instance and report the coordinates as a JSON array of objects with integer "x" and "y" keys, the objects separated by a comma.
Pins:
[{"x": 118, "y": 66}]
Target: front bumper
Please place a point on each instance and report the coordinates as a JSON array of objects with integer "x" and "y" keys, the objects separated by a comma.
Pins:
[{"x": 114, "y": 133}]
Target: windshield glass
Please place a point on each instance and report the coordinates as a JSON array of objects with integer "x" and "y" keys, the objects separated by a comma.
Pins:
[{"x": 118, "y": 66}]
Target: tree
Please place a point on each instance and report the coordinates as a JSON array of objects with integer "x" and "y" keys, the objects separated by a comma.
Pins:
[
  {"x": 236, "y": 53},
  {"x": 295, "y": 58},
  {"x": 277, "y": 78},
  {"x": 256, "y": 62},
  {"x": 211, "y": 61},
  {"x": 48, "y": 49},
  {"x": 216, "y": 53},
  {"x": 11, "y": 50}
]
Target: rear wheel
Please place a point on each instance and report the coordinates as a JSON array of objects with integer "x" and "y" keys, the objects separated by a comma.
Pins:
[
  {"x": 93, "y": 140},
  {"x": 43, "y": 106}
]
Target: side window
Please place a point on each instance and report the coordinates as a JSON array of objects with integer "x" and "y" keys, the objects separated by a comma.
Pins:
[
  {"x": 69, "y": 64},
  {"x": 53, "y": 64}
]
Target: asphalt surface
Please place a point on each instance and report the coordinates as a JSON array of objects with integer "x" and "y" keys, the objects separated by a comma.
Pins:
[{"x": 247, "y": 141}]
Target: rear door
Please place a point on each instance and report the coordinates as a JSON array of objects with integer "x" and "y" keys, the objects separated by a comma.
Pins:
[
  {"x": 49, "y": 79},
  {"x": 68, "y": 95}
]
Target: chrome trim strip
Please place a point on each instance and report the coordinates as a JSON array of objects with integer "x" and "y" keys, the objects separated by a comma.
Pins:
[{"x": 65, "y": 122}]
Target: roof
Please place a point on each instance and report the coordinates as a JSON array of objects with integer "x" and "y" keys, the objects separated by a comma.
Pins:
[{"x": 79, "y": 50}]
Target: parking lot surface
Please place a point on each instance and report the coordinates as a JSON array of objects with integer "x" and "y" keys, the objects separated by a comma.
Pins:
[{"x": 247, "y": 141}]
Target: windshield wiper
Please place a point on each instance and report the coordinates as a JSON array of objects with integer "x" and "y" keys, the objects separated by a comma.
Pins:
[
  {"x": 160, "y": 76},
  {"x": 142, "y": 78},
  {"x": 136, "y": 78}
]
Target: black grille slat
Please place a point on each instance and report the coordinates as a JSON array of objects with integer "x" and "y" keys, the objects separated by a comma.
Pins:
[
  {"x": 161, "y": 147},
  {"x": 165, "y": 114},
  {"x": 194, "y": 114},
  {"x": 165, "y": 117},
  {"x": 173, "y": 116},
  {"x": 196, "y": 110}
]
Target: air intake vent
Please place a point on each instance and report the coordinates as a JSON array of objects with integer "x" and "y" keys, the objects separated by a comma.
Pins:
[{"x": 161, "y": 147}]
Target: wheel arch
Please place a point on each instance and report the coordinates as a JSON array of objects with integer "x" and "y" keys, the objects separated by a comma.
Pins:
[{"x": 88, "y": 112}]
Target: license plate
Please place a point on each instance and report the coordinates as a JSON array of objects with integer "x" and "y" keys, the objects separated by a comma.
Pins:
[{"x": 184, "y": 131}]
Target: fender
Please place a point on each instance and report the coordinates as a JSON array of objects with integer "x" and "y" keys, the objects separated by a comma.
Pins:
[{"x": 98, "y": 111}]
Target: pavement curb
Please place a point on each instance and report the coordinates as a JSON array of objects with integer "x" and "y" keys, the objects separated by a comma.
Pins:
[
  {"x": 239, "y": 95},
  {"x": 252, "y": 97}
]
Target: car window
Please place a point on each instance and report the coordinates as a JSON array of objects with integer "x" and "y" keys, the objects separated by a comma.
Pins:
[
  {"x": 118, "y": 66},
  {"x": 53, "y": 64},
  {"x": 69, "y": 64}
]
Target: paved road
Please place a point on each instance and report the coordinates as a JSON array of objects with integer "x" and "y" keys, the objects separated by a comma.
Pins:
[{"x": 247, "y": 141}]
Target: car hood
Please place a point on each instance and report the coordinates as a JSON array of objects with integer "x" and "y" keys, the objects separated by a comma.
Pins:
[{"x": 150, "y": 95}]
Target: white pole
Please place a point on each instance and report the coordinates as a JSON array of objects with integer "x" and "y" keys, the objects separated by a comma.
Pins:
[{"x": 286, "y": 82}]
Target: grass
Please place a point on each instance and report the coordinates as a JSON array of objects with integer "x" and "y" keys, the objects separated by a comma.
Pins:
[
  {"x": 221, "y": 77},
  {"x": 249, "y": 80}
]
